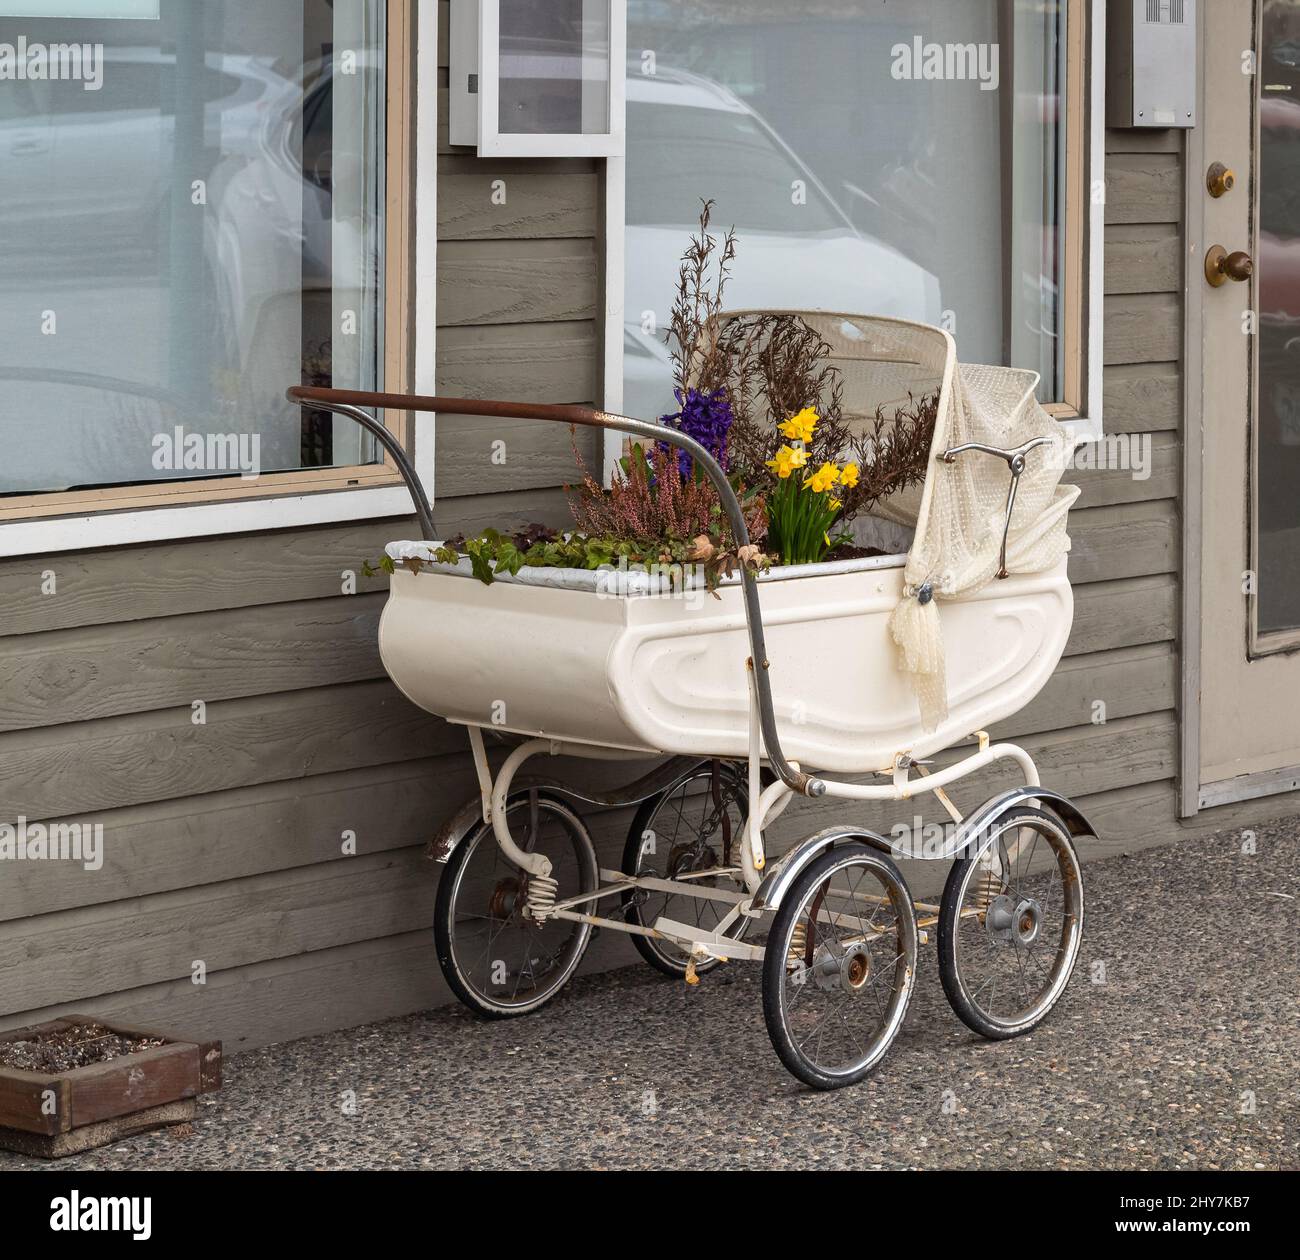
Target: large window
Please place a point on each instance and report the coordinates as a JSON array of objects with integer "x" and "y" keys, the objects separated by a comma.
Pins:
[
  {"x": 913, "y": 158},
  {"x": 191, "y": 220}
]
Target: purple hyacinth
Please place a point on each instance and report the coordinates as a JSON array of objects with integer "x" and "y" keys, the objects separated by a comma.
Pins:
[{"x": 707, "y": 419}]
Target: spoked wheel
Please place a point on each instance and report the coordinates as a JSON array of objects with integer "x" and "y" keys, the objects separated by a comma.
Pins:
[
  {"x": 1010, "y": 928},
  {"x": 498, "y": 962},
  {"x": 839, "y": 966},
  {"x": 691, "y": 828}
]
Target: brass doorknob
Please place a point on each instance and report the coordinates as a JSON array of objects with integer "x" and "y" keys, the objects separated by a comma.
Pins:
[
  {"x": 1221, "y": 266},
  {"x": 1220, "y": 179}
]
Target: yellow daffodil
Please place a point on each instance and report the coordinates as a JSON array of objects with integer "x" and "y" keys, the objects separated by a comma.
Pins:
[
  {"x": 850, "y": 475},
  {"x": 788, "y": 458},
  {"x": 824, "y": 478},
  {"x": 800, "y": 428},
  {"x": 835, "y": 505}
]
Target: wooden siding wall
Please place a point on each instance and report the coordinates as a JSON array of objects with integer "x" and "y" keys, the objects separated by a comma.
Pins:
[
  {"x": 224, "y": 841},
  {"x": 519, "y": 283}
]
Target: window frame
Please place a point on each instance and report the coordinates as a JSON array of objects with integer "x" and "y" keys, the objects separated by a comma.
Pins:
[
  {"x": 495, "y": 143},
  {"x": 156, "y": 511},
  {"x": 1080, "y": 408}
]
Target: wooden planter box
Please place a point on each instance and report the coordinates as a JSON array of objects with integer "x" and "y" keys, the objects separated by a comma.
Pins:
[{"x": 52, "y": 1115}]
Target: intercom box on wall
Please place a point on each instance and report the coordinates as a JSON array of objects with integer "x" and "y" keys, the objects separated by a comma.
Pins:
[{"x": 1151, "y": 48}]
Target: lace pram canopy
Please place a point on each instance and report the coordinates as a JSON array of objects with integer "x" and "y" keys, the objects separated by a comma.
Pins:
[{"x": 960, "y": 512}]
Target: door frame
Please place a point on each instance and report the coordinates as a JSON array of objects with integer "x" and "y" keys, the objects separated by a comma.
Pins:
[
  {"x": 1193, "y": 795},
  {"x": 1189, "y": 777}
]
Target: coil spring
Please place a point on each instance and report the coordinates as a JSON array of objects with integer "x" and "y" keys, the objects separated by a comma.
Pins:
[
  {"x": 541, "y": 897},
  {"x": 798, "y": 946},
  {"x": 989, "y": 886}
]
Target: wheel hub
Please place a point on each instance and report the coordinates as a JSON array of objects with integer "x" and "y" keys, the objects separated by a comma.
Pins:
[
  {"x": 507, "y": 897},
  {"x": 855, "y": 970},
  {"x": 1011, "y": 921},
  {"x": 849, "y": 971},
  {"x": 684, "y": 859}
]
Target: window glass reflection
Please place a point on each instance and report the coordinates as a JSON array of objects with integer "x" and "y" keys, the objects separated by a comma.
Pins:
[
  {"x": 856, "y": 180},
  {"x": 189, "y": 237}
]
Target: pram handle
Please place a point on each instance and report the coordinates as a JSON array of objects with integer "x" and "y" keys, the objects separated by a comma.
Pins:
[
  {"x": 349, "y": 402},
  {"x": 1015, "y": 461}
]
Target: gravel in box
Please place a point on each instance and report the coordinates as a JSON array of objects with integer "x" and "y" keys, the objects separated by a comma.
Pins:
[{"x": 77, "y": 1046}]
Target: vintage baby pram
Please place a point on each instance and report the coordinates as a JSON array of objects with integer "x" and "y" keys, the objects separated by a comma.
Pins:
[{"x": 789, "y": 680}]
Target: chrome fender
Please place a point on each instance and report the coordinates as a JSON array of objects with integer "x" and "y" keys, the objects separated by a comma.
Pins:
[
  {"x": 774, "y": 887},
  {"x": 973, "y": 837},
  {"x": 470, "y": 816}
]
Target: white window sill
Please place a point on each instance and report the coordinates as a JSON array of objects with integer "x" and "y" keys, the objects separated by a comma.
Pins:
[
  {"x": 121, "y": 529},
  {"x": 1082, "y": 429}
]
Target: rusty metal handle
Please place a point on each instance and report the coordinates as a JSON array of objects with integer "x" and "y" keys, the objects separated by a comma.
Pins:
[{"x": 348, "y": 402}]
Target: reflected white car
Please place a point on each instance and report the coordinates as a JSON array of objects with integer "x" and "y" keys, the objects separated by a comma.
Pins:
[
  {"x": 289, "y": 257},
  {"x": 90, "y": 172},
  {"x": 690, "y": 138}
]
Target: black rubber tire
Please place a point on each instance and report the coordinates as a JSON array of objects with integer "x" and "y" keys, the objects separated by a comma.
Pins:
[
  {"x": 774, "y": 964},
  {"x": 443, "y": 910},
  {"x": 949, "y": 911},
  {"x": 737, "y": 777}
]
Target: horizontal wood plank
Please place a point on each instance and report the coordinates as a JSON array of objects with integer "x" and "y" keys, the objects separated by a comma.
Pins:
[
  {"x": 123, "y": 584},
  {"x": 236, "y": 924},
  {"x": 1124, "y": 613},
  {"x": 486, "y": 456},
  {"x": 513, "y": 282},
  {"x": 90, "y": 767},
  {"x": 1143, "y": 259},
  {"x": 224, "y": 836},
  {"x": 1143, "y": 328},
  {"x": 138, "y": 666},
  {"x": 474, "y": 513},
  {"x": 1123, "y": 540},
  {"x": 1098, "y": 688},
  {"x": 1144, "y": 188},
  {"x": 496, "y": 201},
  {"x": 1130, "y": 468},
  {"x": 197, "y": 840},
  {"x": 1124, "y": 751},
  {"x": 543, "y": 363},
  {"x": 1142, "y": 397}
]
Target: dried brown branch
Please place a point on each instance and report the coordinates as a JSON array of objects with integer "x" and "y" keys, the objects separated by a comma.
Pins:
[
  {"x": 895, "y": 454},
  {"x": 700, "y": 361}
]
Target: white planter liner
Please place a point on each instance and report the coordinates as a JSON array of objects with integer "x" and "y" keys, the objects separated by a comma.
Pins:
[
  {"x": 867, "y": 532},
  {"x": 611, "y": 581}
]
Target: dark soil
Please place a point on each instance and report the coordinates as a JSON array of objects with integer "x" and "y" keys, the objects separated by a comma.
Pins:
[
  {"x": 847, "y": 551},
  {"x": 67, "y": 1048}
]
